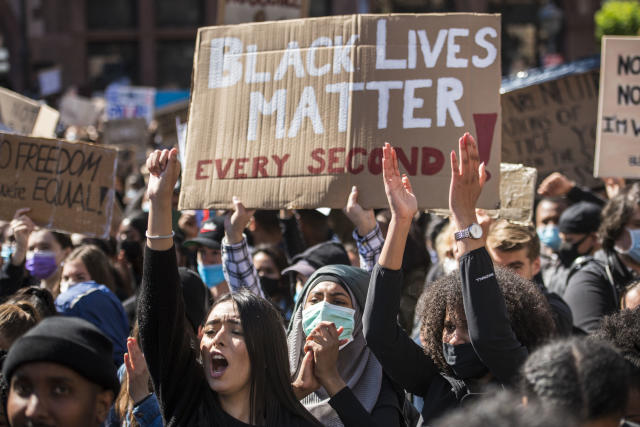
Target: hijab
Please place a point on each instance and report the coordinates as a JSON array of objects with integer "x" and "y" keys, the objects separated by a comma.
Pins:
[{"x": 357, "y": 365}]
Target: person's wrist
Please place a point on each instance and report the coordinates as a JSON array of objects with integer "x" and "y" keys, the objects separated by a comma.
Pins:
[
  {"x": 365, "y": 228},
  {"x": 234, "y": 237},
  {"x": 18, "y": 257},
  {"x": 139, "y": 397},
  {"x": 333, "y": 384}
]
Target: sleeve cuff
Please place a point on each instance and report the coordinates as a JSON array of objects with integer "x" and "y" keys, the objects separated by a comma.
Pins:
[
  {"x": 234, "y": 246},
  {"x": 366, "y": 237}
]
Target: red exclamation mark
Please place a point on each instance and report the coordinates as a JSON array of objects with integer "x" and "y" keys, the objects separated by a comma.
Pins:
[{"x": 485, "y": 127}]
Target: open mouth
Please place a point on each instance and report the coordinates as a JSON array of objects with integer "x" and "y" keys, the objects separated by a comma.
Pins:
[{"x": 219, "y": 364}]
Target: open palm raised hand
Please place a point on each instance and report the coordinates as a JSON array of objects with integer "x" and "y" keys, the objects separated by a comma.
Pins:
[{"x": 402, "y": 201}]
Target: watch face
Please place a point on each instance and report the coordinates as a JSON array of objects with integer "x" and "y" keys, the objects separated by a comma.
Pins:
[{"x": 476, "y": 231}]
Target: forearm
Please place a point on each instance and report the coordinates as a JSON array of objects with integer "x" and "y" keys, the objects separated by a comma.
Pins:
[
  {"x": 238, "y": 267},
  {"x": 160, "y": 224},
  {"x": 352, "y": 413},
  {"x": 369, "y": 247},
  {"x": 393, "y": 248}
]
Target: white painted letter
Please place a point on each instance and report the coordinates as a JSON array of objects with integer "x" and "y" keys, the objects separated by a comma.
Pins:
[
  {"x": 221, "y": 62},
  {"x": 341, "y": 57},
  {"x": 311, "y": 57},
  {"x": 343, "y": 110},
  {"x": 382, "y": 63},
  {"x": 308, "y": 107},
  {"x": 258, "y": 104},
  {"x": 290, "y": 57},
  {"x": 383, "y": 89},
  {"x": 453, "y": 48},
  {"x": 250, "y": 75},
  {"x": 411, "y": 50},
  {"x": 450, "y": 90},
  {"x": 492, "y": 52},
  {"x": 411, "y": 103},
  {"x": 431, "y": 55}
]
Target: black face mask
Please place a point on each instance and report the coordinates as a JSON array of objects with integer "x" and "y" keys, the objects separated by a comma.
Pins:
[
  {"x": 463, "y": 360},
  {"x": 568, "y": 252},
  {"x": 269, "y": 286}
]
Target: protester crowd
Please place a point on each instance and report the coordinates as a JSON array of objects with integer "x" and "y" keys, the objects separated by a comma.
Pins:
[{"x": 278, "y": 318}]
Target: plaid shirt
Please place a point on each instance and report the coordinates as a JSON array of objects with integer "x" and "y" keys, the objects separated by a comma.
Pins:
[
  {"x": 238, "y": 267},
  {"x": 369, "y": 247}
]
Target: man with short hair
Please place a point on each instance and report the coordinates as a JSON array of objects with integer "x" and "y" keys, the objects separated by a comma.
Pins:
[
  {"x": 517, "y": 247},
  {"x": 60, "y": 373}
]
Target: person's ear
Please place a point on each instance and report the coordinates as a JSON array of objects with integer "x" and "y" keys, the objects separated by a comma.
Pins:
[
  {"x": 252, "y": 224},
  {"x": 535, "y": 266},
  {"x": 104, "y": 401}
]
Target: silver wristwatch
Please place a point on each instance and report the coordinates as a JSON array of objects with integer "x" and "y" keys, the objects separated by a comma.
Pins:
[{"x": 474, "y": 231}]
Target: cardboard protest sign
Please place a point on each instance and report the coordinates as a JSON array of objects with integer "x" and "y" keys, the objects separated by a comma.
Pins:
[
  {"x": 78, "y": 111},
  {"x": 126, "y": 132},
  {"x": 241, "y": 11},
  {"x": 26, "y": 116},
  {"x": 549, "y": 122},
  {"x": 127, "y": 102},
  {"x": 517, "y": 195},
  {"x": 69, "y": 186},
  {"x": 293, "y": 113},
  {"x": 166, "y": 119},
  {"x": 617, "y": 153}
]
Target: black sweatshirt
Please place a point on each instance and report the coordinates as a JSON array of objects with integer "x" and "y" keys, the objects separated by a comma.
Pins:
[
  {"x": 185, "y": 397},
  {"x": 405, "y": 361}
]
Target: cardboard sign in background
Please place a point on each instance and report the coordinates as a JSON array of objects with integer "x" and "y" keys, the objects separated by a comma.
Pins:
[
  {"x": 551, "y": 126},
  {"x": 293, "y": 113},
  {"x": 69, "y": 186},
  {"x": 26, "y": 116},
  {"x": 241, "y": 11},
  {"x": 617, "y": 149}
]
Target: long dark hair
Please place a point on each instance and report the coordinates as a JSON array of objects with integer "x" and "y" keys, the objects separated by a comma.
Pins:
[{"x": 272, "y": 400}]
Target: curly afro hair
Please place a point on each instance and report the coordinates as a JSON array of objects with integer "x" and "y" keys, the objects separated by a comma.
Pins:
[
  {"x": 527, "y": 309},
  {"x": 622, "y": 329},
  {"x": 616, "y": 214}
]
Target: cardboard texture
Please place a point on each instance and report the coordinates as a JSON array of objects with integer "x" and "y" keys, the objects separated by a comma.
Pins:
[
  {"x": 166, "y": 118},
  {"x": 551, "y": 126},
  {"x": 618, "y": 136},
  {"x": 240, "y": 11},
  {"x": 26, "y": 116},
  {"x": 517, "y": 195},
  {"x": 69, "y": 186},
  {"x": 126, "y": 132},
  {"x": 78, "y": 111},
  {"x": 127, "y": 102},
  {"x": 292, "y": 114}
]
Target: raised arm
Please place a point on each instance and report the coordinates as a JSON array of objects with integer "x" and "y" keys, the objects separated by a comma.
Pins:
[
  {"x": 236, "y": 261},
  {"x": 367, "y": 234},
  {"x": 401, "y": 358},
  {"x": 489, "y": 327},
  {"x": 164, "y": 337}
]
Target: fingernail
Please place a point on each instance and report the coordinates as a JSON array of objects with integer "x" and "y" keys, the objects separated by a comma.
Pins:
[{"x": 353, "y": 189}]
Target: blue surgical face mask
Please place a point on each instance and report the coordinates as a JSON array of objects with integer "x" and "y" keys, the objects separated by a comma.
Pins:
[
  {"x": 323, "y": 311},
  {"x": 212, "y": 274},
  {"x": 549, "y": 236},
  {"x": 634, "y": 249}
]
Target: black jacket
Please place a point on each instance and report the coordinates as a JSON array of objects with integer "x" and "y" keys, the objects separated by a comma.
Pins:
[
  {"x": 171, "y": 351},
  {"x": 405, "y": 361},
  {"x": 594, "y": 288}
]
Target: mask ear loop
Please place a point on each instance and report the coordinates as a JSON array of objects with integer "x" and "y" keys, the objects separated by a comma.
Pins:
[{"x": 633, "y": 241}]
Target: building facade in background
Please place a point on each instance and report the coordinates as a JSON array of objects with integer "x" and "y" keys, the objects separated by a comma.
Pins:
[{"x": 151, "y": 42}]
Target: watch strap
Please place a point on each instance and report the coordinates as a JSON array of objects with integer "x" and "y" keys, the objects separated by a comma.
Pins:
[{"x": 462, "y": 234}]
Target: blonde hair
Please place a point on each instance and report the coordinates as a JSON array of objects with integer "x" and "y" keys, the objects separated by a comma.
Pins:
[{"x": 508, "y": 237}]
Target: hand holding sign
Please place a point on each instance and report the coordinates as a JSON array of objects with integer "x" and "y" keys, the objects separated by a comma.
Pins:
[
  {"x": 21, "y": 226},
  {"x": 234, "y": 224},
  {"x": 363, "y": 219}
]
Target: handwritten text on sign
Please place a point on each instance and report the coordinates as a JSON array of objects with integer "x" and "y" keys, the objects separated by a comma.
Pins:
[
  {"x": 68, "y": 186},
  {"x": 299, "y": 99},
  {"x": 617, "y": 151}
]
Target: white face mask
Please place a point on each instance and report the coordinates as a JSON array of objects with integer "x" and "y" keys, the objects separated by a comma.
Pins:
[
  {"x": 449, "y": 265},
  {"x": 65, "y": 285}
]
